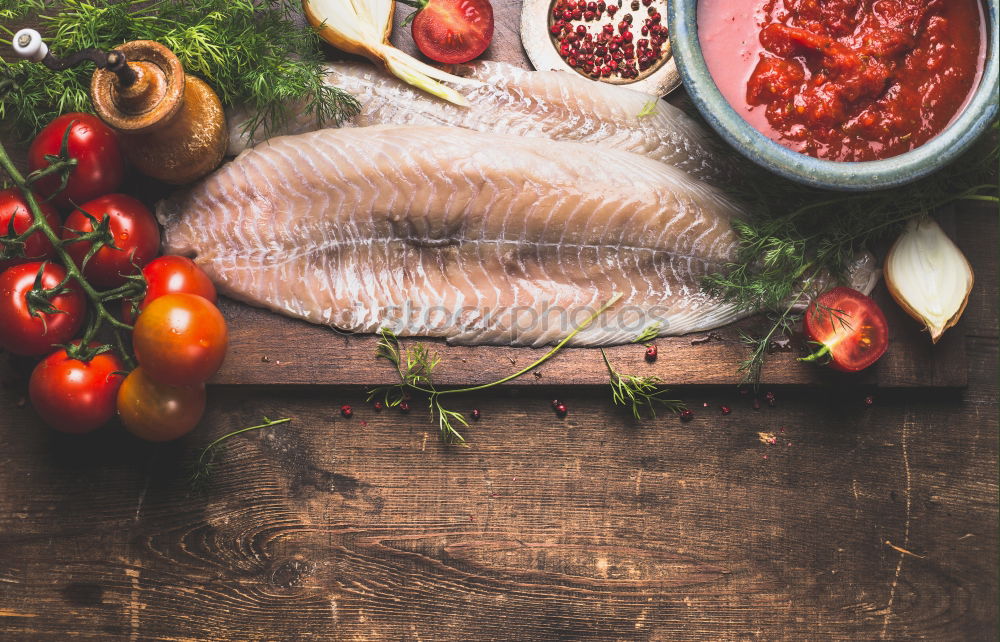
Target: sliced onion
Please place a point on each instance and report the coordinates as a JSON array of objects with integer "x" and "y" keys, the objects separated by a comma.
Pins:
[
  {"x": 362, "y": 27},
  {"x": 928, "y": 276}
]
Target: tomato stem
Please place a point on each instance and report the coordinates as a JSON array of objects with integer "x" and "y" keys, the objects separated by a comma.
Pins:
[
  {"x": 97, "y": 298},
  {"x": 822, "y": 353}
]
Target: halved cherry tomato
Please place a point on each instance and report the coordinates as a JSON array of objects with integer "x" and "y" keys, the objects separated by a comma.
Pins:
[
  {"x": 22, "y": 333},
  {"x": 170, "y": 274},
  {"x": 452, "y": 31},
  {"x": 99, "y": 166},
  {"x": 37, "y": 246},
  {"x": 180, "y": 339},
  {"x": 73, "y": 396},
  {"x": 849, "y": 327},
  {"x": 133, "y": 230},
  {"x": 157, "y": 412}
]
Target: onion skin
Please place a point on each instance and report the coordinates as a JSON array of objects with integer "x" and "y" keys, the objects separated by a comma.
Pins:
[{"x": 935, "y": 329}]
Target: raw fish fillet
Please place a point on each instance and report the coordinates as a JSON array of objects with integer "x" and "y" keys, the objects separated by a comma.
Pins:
[
  {"x": 442, "y": 231},
  {"x": 537, "y": 104}
]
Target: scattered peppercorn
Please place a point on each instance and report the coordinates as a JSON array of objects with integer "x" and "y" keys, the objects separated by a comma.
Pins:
[
  {"x": 476, "y": 414},
  {"x": 725, "y": 410},
  {"x": 346, "y": 410},
  {"x": 378, "y": 405},
  {"x": 561, "y": 409},
  {"x": 651, "y": 353},
  {"x": 769, "y": 397},
  {"x": 404, "y": 406},
  {"x": 705, "y": 404},
  {"x": 686, "y": 415},
  {"x": 869, "y": 401}
]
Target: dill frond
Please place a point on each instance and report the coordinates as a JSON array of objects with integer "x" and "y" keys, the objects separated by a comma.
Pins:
[
  {"x": 639, "y": 393},
  {"x": 203, "y": 466},
  {"x": 649, "y": 333}
]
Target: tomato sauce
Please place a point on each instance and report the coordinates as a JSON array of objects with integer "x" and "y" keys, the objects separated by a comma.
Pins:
[{"x": 846, "y": 80}]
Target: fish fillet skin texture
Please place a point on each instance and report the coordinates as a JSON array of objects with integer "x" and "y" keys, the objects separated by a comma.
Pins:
[
  {"x": 537, "y": 104},
  {"x": 445, "y": 232}
]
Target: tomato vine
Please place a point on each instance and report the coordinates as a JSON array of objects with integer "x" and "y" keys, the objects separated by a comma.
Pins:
[{"x": 13, "y": 244}]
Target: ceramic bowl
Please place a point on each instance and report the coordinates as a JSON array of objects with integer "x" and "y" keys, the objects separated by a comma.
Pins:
[{"x": 848, "y": 176}]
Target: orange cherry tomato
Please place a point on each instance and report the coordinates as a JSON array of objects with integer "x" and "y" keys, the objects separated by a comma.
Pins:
[
  {"x": 157, "y": 412},
  {"x": 180, "y": 339}
]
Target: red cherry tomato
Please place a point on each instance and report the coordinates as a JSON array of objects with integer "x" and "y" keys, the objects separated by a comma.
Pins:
[
  {"x": 849, "y": 327},
  {"x": 37, "y": 246},
  {"x": 94, "y": 145},
  {"x": 453, "y": 31},
  {"x": 21, "y": 333},
  {"x": 133, "y": 229},
  {"x": 73, "y": 396},
  {"x": 180, "y": 339},
  {"x": 170, "y": 274},
  {"x": 157, "y": 412}
]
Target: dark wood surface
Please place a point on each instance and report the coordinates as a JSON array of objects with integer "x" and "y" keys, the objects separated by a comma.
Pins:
[{"x": 776, "y": 524}]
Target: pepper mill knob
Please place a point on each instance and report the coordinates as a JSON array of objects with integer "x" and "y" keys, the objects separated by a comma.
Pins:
[
  {"x": 172, "y": 125},
  {"x": 28, "y": 44}
]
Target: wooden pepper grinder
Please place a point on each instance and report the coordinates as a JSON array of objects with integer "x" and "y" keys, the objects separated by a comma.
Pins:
[{"x": 172, "y": 125}]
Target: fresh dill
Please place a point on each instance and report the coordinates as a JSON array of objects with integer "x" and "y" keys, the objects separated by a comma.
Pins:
[
  {"x": 204, "y": 465},
  {"x": 415, "y": 367},
  {"x": 782, "y": 259},
  {"x": 649, "y": 333},
  {"x": 251, "y": 52},
  {"x": 648, "y": 109},
  {"x": 639, "y": 393}
]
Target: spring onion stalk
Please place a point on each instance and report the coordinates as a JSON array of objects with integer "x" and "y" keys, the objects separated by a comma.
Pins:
[{"x": 362, "y": 27}]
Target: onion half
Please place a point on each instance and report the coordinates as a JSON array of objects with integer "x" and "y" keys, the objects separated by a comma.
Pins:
[{"x": 928, "y": 276}]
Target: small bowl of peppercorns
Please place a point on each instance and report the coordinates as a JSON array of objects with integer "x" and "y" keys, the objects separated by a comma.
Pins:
[{"x": 621, "y": 42}]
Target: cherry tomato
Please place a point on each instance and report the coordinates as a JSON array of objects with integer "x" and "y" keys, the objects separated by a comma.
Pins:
[
  {"x": 849, "y": 327},
  {"x": 453, "y": 31},
  {"x": 180, "y": 339},
  {"x": 157, "y": 412},
  {"x": 133, "y": 229},
  {"x": 73, "y": 396},
  {"x": 94, "y": 145},
  {"x": 21, "y": 333},
  {"x": 37, "y": 246},
  {"x": 168, "y": 274}
]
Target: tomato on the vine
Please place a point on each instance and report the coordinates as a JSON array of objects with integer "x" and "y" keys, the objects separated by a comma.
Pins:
[
  {"x": 849, "y": 328},
  {"x": 180, "y": 338},
  {"x": 99, "y": 167},
  {"x": 73, "y": 396},
  {"x": 158, "y": 412},
  {"x": 37, "y": 246},
  {"x": 452, "y": 31},
  {"x": 171, "y": 274},
  {"x": 133, "y": 231},
  {"x": 25, "y": 334}
]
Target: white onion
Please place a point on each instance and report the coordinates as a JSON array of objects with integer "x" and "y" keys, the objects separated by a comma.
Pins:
[{"x": 928, "y": 276}]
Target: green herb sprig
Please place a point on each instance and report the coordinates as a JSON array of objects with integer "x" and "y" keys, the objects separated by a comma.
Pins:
[
  {"x": 639, "y": 393},
  {"x": 249, "y": 51},
  {"x": 415, "y": 366},
  {"x": 782, "y": 258},
  {"x": 204, "y": 465}
]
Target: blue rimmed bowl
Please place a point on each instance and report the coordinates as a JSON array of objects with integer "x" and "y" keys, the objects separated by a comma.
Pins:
[{"x": 849, "y": 176}]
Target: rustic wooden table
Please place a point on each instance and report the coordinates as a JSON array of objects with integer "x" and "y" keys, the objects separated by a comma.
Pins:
[{"x": 817, "y": 519}]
